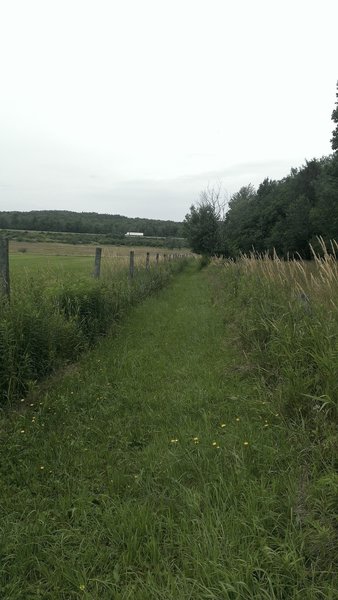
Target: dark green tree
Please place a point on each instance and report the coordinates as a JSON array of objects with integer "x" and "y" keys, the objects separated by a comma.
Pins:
[
  {"x": 334, "y": 117},
  {"x": 203, "y": 225},
  {"x": 201, "y": 229},
  {"x": 241, "y": 221},
  {"x": 324, "y": 214}
]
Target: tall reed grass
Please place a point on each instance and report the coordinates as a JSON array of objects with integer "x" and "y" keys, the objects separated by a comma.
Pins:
[
  {"x": 284, "y": 316},
  {"x": 287, "y": 320},
  {"x": 53, "y": 316}
]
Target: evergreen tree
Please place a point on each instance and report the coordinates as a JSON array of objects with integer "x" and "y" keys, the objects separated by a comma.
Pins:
[
  {"x": 203, "y": 226},
  {"x": 334, "y": 117}
]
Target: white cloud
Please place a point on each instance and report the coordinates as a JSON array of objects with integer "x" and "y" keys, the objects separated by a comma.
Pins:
[{"x": 98, "y": 95}]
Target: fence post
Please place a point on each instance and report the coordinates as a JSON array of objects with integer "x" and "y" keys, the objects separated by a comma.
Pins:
[
  {"x": 97, "y": 264},
  {"x": 164, "y": 257},
  {"x": 131, "y": 264},
  {"x": 4, "y": 268},
  {"x": 147, "y": 261},
  {"x": 157, "y": 259}
]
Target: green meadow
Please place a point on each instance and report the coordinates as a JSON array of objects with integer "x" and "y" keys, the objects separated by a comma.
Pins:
[
  {"x": 190, "y": 453},
  {"x": 32, "y": 263}
]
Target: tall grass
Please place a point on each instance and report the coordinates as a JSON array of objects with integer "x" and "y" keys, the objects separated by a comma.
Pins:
[
  {"x": 160, "y": 468},
  {"x": 55, "y": 315},
  {"x": 284, "y": 315},
  {"x": 287, "y": 320}
]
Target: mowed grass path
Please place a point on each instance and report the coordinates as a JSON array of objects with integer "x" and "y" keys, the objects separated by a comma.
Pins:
[{"x": 153, "y": 469}]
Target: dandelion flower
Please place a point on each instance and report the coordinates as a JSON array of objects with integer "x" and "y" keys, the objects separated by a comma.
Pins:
[
  {"x": 246, "y": 443},
  {"x": 42, "y": 467},
  {"x": 174, "y": 440},
  {"x": 222, "y": 424},
  {"x": 266, "y": 424},
  {"x": 214, "y": 443},
  {"x": 237, "y": 419},
  {"x": 195, "y": 439},
  {"x": 82, "y": 587},
  {"x": 22, "y": 431}
]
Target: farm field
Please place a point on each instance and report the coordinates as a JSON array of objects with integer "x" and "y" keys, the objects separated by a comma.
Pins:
[
  {"x": 190, "y": 454},
  {"x": 58, "y": 249},
  {"x": 52, "y": 261},
  {"x": 50, "y": 257},
  {"x": 57, "y": 309}
]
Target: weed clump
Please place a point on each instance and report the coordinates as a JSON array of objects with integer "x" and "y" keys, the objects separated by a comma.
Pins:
[
  {"x": 284, "y": 316},
  {"x": 52, "y": 319}
]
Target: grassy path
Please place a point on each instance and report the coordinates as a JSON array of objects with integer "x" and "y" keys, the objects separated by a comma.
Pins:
[{"x": 152, "y": 470}]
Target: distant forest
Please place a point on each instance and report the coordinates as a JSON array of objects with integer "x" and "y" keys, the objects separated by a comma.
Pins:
[
  {"x": 115, "y": 226},
  {"x": 285, "y": 215}
]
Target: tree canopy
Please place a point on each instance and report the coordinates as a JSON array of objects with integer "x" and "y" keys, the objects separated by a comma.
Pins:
[
  {"x": 68, "y": 221},
  {"x": 202, "y": 226},
  {"x": 285, "y": 215},
  {"x": 334, "y": 117}
]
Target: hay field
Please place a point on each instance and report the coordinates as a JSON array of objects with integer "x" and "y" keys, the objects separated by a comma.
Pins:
[
  {"x": 31, "y": 257},
  {"x": 59, "y": 249}
]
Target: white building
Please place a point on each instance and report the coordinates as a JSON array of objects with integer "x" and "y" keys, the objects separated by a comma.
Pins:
[{"x": 133, "y": 234}]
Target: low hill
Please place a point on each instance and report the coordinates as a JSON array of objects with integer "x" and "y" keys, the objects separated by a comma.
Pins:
[{"x": 74, "y": 222}]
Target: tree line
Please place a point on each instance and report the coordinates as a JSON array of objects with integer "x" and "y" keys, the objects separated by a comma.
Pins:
[
  {"x": 285, "y": 215},
  {"x": 115, "y": 226}
]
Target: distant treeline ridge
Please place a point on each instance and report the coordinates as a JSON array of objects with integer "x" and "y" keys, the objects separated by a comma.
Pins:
[
  {"x": 285, "y": 215},
  {"x": 73, "y": 222}
]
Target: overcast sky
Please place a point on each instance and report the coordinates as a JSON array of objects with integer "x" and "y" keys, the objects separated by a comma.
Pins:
[{"x": 135, "y": 106}]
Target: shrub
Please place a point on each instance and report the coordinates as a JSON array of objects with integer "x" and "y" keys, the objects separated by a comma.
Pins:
[
  {"x": 49, "y": 322},
  {"x": 287, "y": 319}
]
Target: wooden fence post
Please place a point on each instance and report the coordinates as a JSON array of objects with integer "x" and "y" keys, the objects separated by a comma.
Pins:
[
  {"x": 157, "y": 259},
  {"x": 4, "y": 268},
  {"x": 147, "y": 261},
  {"x": 97, "y": 264},
  {"x": 131, "y": 264}
]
